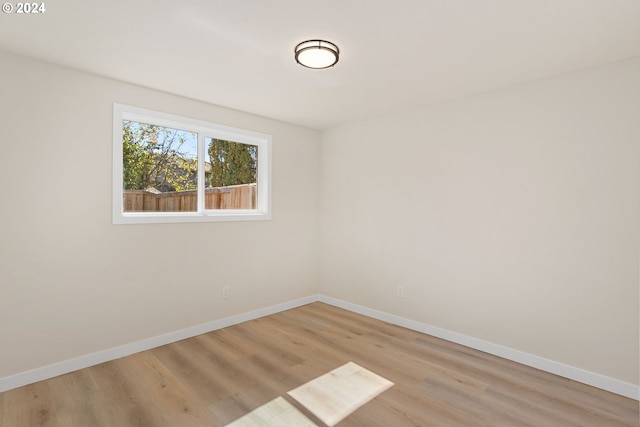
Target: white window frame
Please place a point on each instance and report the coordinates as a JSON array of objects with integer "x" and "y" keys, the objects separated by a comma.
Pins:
[{"x": 202, "y": 129}]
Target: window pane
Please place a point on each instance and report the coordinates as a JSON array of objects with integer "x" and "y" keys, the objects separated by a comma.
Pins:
[
  {"x": 172, "y": 169},
  {"x": 230, "y": 174},
  {"x": 160, "y": 168}
]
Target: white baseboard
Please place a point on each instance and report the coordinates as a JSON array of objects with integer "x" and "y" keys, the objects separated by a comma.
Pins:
[
  {"x": 600, "y": 381},
  {"x": 39, "y": 374},
  {"x": 586, "y": 377}
]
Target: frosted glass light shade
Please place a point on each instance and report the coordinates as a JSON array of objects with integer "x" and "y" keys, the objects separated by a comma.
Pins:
[{"x": 317, "y": 54}]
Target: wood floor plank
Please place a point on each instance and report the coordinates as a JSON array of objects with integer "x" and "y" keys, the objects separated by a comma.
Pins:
[
  {"x": 159, "y": 390},
  {"x": 114, "y": 398},
  {"x": 213, "y": 379},
  {"x": 29, "y": 405},
  {"x": 209, "y": 373},
  {"x": 72, "y": 400}
]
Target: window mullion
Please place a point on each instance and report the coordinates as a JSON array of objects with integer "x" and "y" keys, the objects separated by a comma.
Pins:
[{"x": 201, "y": 173}]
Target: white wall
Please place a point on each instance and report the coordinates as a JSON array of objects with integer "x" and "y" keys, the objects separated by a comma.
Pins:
[
  {"x": 511, "y": 216},
  {"x": 71, "y": 283}
]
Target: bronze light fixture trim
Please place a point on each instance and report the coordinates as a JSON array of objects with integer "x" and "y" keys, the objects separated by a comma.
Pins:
[{"x": 317, "y": 54}]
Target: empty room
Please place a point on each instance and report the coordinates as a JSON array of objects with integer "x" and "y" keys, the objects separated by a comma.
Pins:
[{"x": 285, "y": 213}]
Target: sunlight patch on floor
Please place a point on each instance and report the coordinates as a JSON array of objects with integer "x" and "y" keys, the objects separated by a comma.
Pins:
[
  {"x": 333, "y": 396},
  {"x": 277, "y": 413}
]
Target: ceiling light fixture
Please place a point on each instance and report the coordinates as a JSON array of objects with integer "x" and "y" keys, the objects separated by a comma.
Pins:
[{"x": 317, "y": 54}]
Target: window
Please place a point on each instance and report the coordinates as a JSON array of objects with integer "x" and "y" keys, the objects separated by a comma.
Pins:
[{"x": 168, "y": 168}]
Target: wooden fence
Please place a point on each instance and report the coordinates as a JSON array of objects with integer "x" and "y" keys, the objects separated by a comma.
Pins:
[{"x": 232, "y": 197}]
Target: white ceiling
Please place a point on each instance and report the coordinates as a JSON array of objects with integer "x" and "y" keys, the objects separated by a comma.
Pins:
[{"x": 396, "y": 55}]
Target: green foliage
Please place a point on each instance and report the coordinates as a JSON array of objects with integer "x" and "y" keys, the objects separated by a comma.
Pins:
[
  {"x": 232, "y": 163},
  {"x": 152, "y": 158}
]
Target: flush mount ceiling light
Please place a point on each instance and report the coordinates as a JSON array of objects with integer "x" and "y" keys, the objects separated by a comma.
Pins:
[{"x": 317, "y": 54}]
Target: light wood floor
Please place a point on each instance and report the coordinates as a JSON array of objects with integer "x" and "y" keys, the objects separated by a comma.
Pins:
[{"x": 213, "y": 379}]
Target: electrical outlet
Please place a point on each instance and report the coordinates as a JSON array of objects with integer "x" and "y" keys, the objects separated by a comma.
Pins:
[
  {"x": 226, "y": 292},
  {"x": 400, "y": 291}
]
